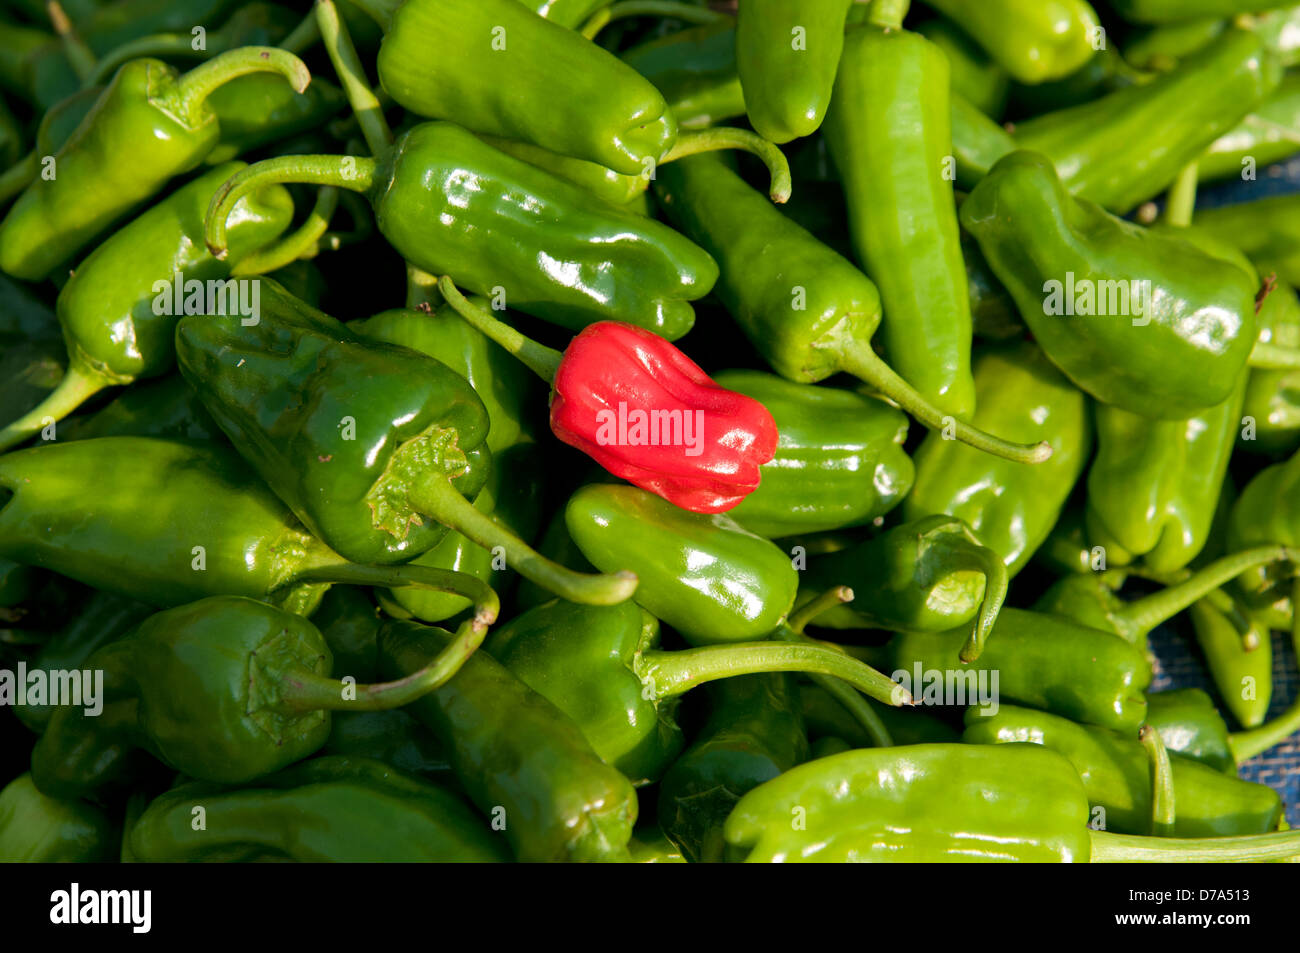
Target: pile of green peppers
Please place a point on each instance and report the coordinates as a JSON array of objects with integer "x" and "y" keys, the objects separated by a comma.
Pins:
[{"x": 287, "y": 529}]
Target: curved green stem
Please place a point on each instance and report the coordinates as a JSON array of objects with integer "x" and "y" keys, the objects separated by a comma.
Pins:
[
  {"x": 74, "y": 389},
  {"x": 717, "y": 138},
  {"x": 836, "y": 596},
  {"x": 194, "y": 87},
  {"x": 1181, "y": 204},
  {"x": 888, "y": 14},
  {"x": 1146, "y": 613},
  {"x": 1108, "y": 848},
  {"x": 1162, "y": 783},
  {"x": 440, "y": 501},
  {"x": 302, "y": 37},
  {"x": 157, "y": 45},
  {"x": 304, "y": 242},
  {"x": 355, "y": 173},
  {"x": 673, "y": 673},
  {"x": 595, "y": 23},
  {"x": 964, "y": 554},
  {"x": 541, "y": 360},
  {"x": 79, "y": 55},
  {"x": 1274, "y": 357},
  {"x": 865, "y": 364},
  {"x": 18, "y": 176},
  {"x": 352, "y": 76}
]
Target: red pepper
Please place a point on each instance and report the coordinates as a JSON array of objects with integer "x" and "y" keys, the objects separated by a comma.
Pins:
[{"x": 645, "y": 411}]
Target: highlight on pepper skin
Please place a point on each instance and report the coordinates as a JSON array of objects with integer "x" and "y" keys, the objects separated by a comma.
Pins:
[{"x": 648, "y": 431}]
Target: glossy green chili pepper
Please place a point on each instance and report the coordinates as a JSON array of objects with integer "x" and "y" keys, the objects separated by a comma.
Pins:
[
  {"x": 1269, "y": 134},
  {"x": 1271, "y": 409},
  {"x": 696, "y": 71},
  {"x": 1106, "y": 72},
  {"x": 1192, "y": 727},
  {"x": 1116, "y": 776},
  {"x": 1172, "y": 11},
  {"x": 451, "y": 204},
  {"x": 1075, "y": 270},
  {"x": 602, "y": 667},
  {"x": 702, "y": 574},
  {"x": 1033, "y": 41},
  {"x": 1126, "y": 147},
  {"x": 977, "y": 143},
  {"x": 119, "y": 309},
  {"x": 333, "y": 809},
  {"x": 839, "y": 462},
  {"x": 394, "y": 737},
  {"x": 755, "y": 732},
  {"x": 975, "y": 76},
  {"x": 786, "y": 56},
  {"x": 889, "y": 129},
  {"x": 931, "y": 575},
  {"x": 1011, "y": 506},
  {"x": 1266, "y": 230},
  {"x": 389, "y": 436},
  {"x": 166, "y": 408},
  {"x": 1267, "y": 511},
  {"x": 147, "y": 101},
  {"x": 1154, "y": 485},
  {"x": 557, "y": 545},
  {"x": 808, "y": 310},
  {"x": 1241, "y": 663},
  {"x": 520, "y": 759},
  {"x": 952, "y": 802},
  {"x": 224, "y": 689},
  {"x": 35, "y": 828}
]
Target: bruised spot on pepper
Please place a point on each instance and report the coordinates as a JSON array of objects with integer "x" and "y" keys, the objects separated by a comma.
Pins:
[{"x": 433, "y": 455}]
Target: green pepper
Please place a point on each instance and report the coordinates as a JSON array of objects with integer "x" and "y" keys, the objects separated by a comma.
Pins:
[
  {"x": 30, "y": 370},
  {"x": 696, "y": 71},
  {"x": 889, "y": 129},
  {"x": 703, "y": 574},
  {"x": 386, "y": 436},
  {"x": 258, "y": 109},
  {"x": 808, "y": 310},
  {"x": 1271, "y": 409},
  {"x": 977, "y": 143},
  {"x": 349, "y": 622},
  {"x": 1011, "y": 506},
  {"x": 755, "y": 732},
  {"x": 147, "y": 101},
  {"x": 1240, "y": 662},
  {"x": 826, "y": 717},
  {"x": 1106, "y": 72},
  {"x": 1075, "y": 270},
  {"x": 839, "y": 462},
  {"x": 1269, "y": 134},
  {"x": 930, "y": 575},
  {"x": 451, "y": 204},
  {"x": 1161, "y": 47},
  {"x": 1154, "y": 485},
  {"x": 975, "y": 76},
  {"x": 1266, "y": 230},
  {"x": 1192, "y": 727},
  {"x": 1116, "y": 776},
  {"x": 1172, "y": 11},
  {"x": 786, "y": 56},
  {"x": 224, "y": 689},
  {"x": 1033, "y": 41},
  {"x": 650, "y": 846},
  {"x": 520, "y": 759},
  {"x": 394, "y": 737},
  {"x": 35, "y": 828},
  {"x": 952, "y": 802},
  {"x": 334, "y": 809},
  {"x": 602, "y": 667},
  {"x": 165, "y": 408},
  {"x": 1126, "y": 147},
  {"x": 1267, "y": 511},
  {"x": 120, "y": 307}
]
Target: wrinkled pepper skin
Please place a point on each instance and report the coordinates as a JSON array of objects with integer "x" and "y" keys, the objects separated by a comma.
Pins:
[
  {"x": 696, "y": 71},
  {"x": 1032, "y": 40},
  {"x": 1126, "y": 147},
  {"x": 755, "y": 732},
  {"x": 1012, "y": 507},
  {"x": 1190, "y": 726},
  {"x": 196, "y": 687},
  {"x": 284, "y": 391},
  {"x": 35, "y": 828},
  {"x": 331, "y": 809},
  {"x": 1172, "y": 11},
  {"x": 1272, "y": 399},
  {"x": 566, "y": 94},
  {"x": 1179, "y": 353},
  {"x": 839, "y": 460},
  {"x": 704, "y": 575},
  {"x": 123, "y": 536},
  {"x": 1154, "y": 485},
  {"x": 889, "y": 130},
  {"x": 514, "y": 751},
  {"x": 786, "y": 55},
  {"x": 1116, "y": 773},
  {"x": 1044, "y": 662},
  {"x": 923, "y": 803}
]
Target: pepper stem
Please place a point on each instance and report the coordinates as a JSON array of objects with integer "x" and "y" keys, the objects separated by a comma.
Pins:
[
  {"x": 865, "y": 364},
  {"x": 674, "y": 673},
  {"x": 965, "y": 554},
  {"x": 304, "y": 242},
  {"x": 160, "y": 46},
  {"x": 74, "y": 389},
  {"x": 302, "y": 37},
  {"x": 355, "y": 173},
  {"x": 1145, "y": 614},
  {"x": 194, "y": 87},
  {"x": 717, "y": 138},
  {"x": 1181, "y": 204},
  {"x": 18, "y": 176},
  {"x": 439, "y": 500},
  {"x": 366, "y": 106},
  {"x": 541, "y": 360},
  {"x": 1108, "y": 848},
  {"x": 888, "y": 14},
  {"x": 1162, "y": 783},
  {"x": 799, "y": 619},
  {"x": 78, "y": 54}
]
